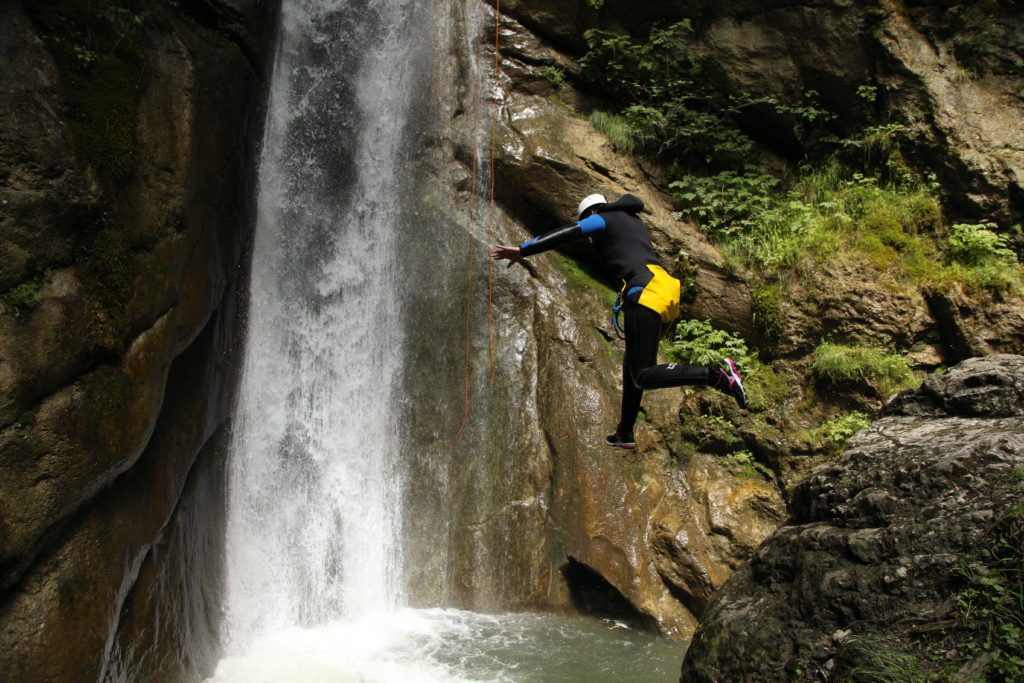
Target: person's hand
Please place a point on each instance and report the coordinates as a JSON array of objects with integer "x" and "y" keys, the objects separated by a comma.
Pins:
[{"x": 511, "y": 254}]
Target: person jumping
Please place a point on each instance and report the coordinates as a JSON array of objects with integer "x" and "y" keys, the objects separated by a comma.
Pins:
[{"x": 649, "y": 301}]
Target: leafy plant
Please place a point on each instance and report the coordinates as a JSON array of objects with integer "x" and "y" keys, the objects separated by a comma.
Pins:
[
  {"x": 697, "y": 342},
  {"x": 991, "y": 605},
  {"x": 725, "y": 202},
  {"x": 886, "y": 373},
  {"x": 553, "y": 75},
  {"x": 659, "y": 70},
  {"x": 833, "y": 434},
  {"x": 746, "y": 464},
  {"x": 665, "y": 103},
  {"x": 978, "y": 244},
  {"x": 23, "y": 297}
]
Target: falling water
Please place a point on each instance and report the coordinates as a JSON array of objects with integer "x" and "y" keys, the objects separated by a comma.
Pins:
[
  {"x": 314, "y": 507},
  {"x": 319, "y": 584}
]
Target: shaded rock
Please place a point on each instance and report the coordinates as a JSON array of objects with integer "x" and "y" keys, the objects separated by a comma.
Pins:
[
  {"x": 874, "y": 535},
  {"x": 971, "y": 327},
  {"x": 843, "y": 301},
  {"x": 992, "y": 386},
  {"x": 133, "y": 252}
]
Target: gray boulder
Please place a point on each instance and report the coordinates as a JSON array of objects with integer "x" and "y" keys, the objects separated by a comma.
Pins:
[{"x": 873, "y": 537}]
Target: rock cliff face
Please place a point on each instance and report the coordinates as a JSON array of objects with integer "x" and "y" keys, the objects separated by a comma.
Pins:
[
  {"x": 873, "y": 540},
  {"x": 126, "y": 149},
  {"x": 663, "y": 528}
]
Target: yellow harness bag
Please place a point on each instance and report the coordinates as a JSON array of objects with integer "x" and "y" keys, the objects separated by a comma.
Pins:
[{"x": 661, "y": 294}]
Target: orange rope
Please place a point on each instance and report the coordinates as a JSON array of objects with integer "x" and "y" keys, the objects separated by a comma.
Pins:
[
  {"x": 472, "y": 248},
  {"x": 490, "y": 207},
  {"x": 472, "y": 220}
]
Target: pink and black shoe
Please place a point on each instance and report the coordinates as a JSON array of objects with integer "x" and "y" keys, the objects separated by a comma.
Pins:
[{"x": 729, "y": 382}]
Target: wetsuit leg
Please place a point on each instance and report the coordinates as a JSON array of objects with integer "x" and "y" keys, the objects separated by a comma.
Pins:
[{"x": 643, "y": 329}]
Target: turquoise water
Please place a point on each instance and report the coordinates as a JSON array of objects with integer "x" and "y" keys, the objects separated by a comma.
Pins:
[{"x": 446, "y": 645}]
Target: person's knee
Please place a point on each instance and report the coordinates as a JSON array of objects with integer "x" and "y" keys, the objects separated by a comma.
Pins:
[{"x": 640, "y": 376}]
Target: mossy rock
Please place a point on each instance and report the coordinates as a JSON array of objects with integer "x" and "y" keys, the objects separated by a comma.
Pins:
[{"x": 96, "y": 51}]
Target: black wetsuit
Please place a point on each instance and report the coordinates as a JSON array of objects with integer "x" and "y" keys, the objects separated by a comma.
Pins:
[{"x": 624, "y": 247}]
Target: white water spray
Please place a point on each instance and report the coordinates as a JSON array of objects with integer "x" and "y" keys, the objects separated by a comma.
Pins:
[{"x": 314, "y": 491}]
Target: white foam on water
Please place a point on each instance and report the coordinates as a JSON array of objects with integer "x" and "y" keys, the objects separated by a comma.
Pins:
[{"x": 456, "y": 646}]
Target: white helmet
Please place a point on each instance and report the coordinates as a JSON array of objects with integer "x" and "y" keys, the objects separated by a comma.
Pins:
[{"x": 590, "y": 202}]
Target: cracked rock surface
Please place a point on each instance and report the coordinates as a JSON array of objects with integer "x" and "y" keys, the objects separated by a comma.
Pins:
[{"x": 873, "y": 536}]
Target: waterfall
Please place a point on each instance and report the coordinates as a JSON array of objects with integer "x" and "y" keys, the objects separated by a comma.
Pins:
[
  {"x": 314, "y": 508},
  {"x": 356, "y": 521}
]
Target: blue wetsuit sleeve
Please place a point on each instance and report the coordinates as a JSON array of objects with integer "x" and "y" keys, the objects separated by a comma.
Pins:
[
  {"x": 592, "y": 224},
  {"x": 562, "y": 236}
]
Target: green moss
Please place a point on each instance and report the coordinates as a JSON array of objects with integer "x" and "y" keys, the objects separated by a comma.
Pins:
[
  {"x": 767, "y": 390},
  {"x": 95, "y": 47},
  {"x": 767, "y": 304},
  {"x": 687, "y": 271},
  {"x": 580, "y": 282},
  {"x": 886, "y": 373},
  {"x": 23, "y": 297}
]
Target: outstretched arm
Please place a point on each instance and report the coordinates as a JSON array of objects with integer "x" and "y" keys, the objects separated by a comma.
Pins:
[{"x": 549, "y": 240}]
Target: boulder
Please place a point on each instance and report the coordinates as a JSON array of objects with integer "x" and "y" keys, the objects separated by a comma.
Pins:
[{"x": 873, "y": 537}]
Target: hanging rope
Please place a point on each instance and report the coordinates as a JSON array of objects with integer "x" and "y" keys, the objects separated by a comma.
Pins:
[
  {"x": 490, "y": 206},
  {"x": 472, "y": 219},
  {"x": 472, "y": 245}
]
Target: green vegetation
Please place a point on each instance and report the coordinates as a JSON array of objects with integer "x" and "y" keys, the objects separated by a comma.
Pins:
[
  {"x": 869, "y": 659},
  {"x": 991, "y": 605},
  {"x": 623, "y": 136},
  {"x": 886, "y": 373},
  {"x": 831, "y": 436},
  {"x": 767, "y": 304},
  {"x": 554, "y": 75},
  {"x": 832, "y": 214},
  {"x": 580, "y": 281},
  {"x": 854, "y": 199},
  {"x": 697, "y": 342},
  {"x": 725, "y": 202},
  {"x": 23, "y": 297},
  {"x": 980, "y": 258},
  {"x": 746, "y": 465}
]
